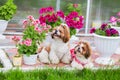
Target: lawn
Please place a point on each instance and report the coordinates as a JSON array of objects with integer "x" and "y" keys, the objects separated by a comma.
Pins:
[{"x": 61, "y": 74}]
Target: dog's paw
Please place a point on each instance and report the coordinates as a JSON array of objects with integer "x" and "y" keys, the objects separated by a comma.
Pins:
[
  {"x": 89, "y": 65},
  {"x": 76, "y": 65},
  {"x": 54, "y": 60}
]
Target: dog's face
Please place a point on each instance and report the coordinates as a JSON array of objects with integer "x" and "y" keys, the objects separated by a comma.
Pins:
[
  {"x": 83, "y": 49},
  {"x": 61, "y": 32}
]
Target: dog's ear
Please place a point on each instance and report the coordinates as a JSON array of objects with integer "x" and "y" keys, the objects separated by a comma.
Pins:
[
  {"x": 66, "y": 33},
  {"x": 88, "y": 50}
]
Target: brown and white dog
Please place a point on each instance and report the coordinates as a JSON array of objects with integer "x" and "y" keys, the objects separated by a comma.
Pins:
[
  {"x": 58, "y": 47},
  {"x": 81, "y": 56}
]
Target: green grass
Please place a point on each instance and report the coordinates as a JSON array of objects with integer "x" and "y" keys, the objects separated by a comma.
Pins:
[{"x": 54, "y": 74}]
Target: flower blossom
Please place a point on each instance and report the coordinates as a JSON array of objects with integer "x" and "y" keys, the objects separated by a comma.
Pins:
[
  {"x": 103, "y": 26},
  {"x": 38, "y": 29},
  {"x": 73, "y": 20},
  {"x": 28, "y": 42},
  {"x": 118, "y": 14},
  {"x": 75, "y": 5},
  {"x": 16, "y": 38},
  {"x": 108, "y": 32},
  {"x": 30, "y": 17},
  {"x": 92, "y": 30},
  {"x": 114, "y": 31},
  {"x": 61, "y": 14},
  {"x": 46, "y": 10}
]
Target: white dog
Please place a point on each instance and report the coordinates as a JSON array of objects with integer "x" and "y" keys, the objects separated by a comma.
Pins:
[
  {"x": 59, "y": 49},
  {"x": 81, "y": 56}
]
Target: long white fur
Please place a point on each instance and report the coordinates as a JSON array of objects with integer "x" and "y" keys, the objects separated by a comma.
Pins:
[
  {"x": 43, "y": 56},
  {"x": 59, "y": 52}
]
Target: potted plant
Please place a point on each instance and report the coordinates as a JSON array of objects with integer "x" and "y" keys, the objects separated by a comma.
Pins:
[
  {"x": 106, "y": 41},
  {"x": 6, "y": 13},
  {"x": 115, "y": 21},
  {"x": 33, "y": 34}
]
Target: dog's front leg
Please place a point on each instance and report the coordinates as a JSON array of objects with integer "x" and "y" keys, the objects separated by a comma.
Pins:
[
  {"x": 53, "y": 57},
  {"x": 76, "y": 65},
  {"x": 66, "y": 58}
]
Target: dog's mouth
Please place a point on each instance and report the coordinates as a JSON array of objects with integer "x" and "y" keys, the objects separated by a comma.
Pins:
[{"x": 55, "y": 35}]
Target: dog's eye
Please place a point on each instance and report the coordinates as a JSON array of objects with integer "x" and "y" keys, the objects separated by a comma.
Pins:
[
  {"x": 60, "y": 31},
  {"x": 83, "y": 48}
]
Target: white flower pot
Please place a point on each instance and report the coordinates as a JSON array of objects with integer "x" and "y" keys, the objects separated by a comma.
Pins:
[
  {"x": 30, "y": 60},
  {"x": 106, "y": 46},
  {"x": 3, "y": 26}
]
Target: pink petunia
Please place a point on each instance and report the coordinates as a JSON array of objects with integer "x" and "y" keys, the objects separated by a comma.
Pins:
[
  {"x": 118, "y": 14},
  {"x": 38, "y": 29},
  {"x": 43, "y": 24},
  {"x": 30, "y": 17},
  {"x": 16, "y": 38},
  {"x": 49, "y": 26},
  {"x": 28, "y": 42},
  {"x": 37, "y": 21},
  {"x": 92, "y": 30},
  {"x": 42, "y": 19},
  {"x": 49, "y": 9},
  {"x": 42, "y": 10},
  {"x": 60, "y": 14},
  {"x": 113, "y": 19}
]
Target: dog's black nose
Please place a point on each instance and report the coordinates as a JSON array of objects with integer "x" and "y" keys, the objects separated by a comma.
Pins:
[
  {"x": 55, "y": 31},
  {"x": 78, "y": 49}
]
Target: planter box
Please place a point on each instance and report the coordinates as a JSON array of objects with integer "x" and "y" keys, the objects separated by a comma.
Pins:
[
  {"x": 30, "y": 60},
  {"x": 106, "y": 46}
]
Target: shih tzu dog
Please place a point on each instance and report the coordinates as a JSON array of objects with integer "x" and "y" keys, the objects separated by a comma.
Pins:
[
  {"x": 58, "y": 49},
  {"x": 81, "y": 56}
]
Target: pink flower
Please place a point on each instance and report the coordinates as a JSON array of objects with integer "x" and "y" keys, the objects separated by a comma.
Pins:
[
  {"x": 37, "y": 21},
  {"x": 45, "y": 29},
  {"x": 48, "y": 26},
  {"x": 92, "y": 30},
  {"x": 42, "y": 19},
  {"x": 16, "y": 38},
  {"x": 118, "y": 14},
  {"x": 25, "y": 22},
  {"x": 43, "y": 24},
  {"x": 28, "y": 42},
  {"x": 49, "y": 9},
  {"x": 38, "y": 29},
  {"x": 108, "y": 33},
  {"x": 60, "y": 14},
  {"x": 30, "y": 17},
  {"x": 118, "y": 20},
  {"x": 34, "y": 23},
  {"x": 75, "y": 5},
  {"x": 73, "y": 20},
  {"x": 113, "y": 19},
  {"x": 42, "y": 10}
]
